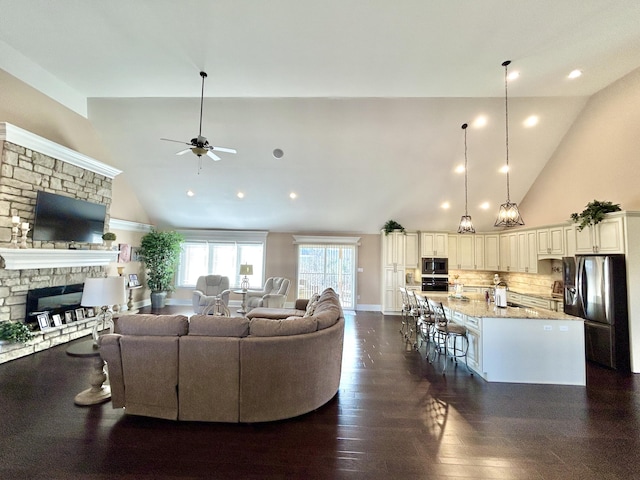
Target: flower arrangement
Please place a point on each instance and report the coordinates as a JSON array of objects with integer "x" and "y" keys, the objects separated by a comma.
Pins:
[{"x": 16, "y": 332}]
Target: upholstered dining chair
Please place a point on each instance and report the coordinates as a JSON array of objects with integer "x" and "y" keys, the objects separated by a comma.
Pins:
[
  {"x": 208, "y": 289},
  {"x": 273, "y": 295}
]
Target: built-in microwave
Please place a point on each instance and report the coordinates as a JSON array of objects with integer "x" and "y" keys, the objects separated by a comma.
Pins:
[{"x": 435, "y": 266}]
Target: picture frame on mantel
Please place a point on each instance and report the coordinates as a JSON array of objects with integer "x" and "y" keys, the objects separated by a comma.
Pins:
[
  {"x": 43, "y": 320},
  {"x": 125, "y": 253}
]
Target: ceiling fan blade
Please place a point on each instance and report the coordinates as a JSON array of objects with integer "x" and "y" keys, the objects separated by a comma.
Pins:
[
  {"x": 223, "y": 149},
  {"x": 213, "y": 155},
  {"x": 177, "y": 141},
  {"x": 182, "y": 152}
]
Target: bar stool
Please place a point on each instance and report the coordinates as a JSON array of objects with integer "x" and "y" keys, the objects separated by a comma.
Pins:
[
  {"x": 426, "y": 322},
  {"x": 413, "y": 318},
  {"x": 450, "y": 337},
  {"x": 406, "y": 308}
]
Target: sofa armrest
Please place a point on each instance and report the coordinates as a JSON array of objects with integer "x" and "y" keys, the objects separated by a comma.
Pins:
[
  {"x": 110, "y": 353},
  {"x": 301, "y": 303}
]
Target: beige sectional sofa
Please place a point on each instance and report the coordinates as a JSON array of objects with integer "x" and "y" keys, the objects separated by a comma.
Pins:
[{"x": 227, "y": 369}]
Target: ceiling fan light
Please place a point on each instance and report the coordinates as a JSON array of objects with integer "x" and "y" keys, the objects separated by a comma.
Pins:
[{"x": 199, "y": 151}]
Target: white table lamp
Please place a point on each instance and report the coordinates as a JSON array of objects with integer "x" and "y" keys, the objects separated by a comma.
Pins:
[
  {"x": 103, "y": 293},
  {"x": 245, "y": 270}
]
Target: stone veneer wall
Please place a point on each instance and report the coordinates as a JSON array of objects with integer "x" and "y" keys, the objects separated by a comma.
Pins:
[{"x": 22, "y": 173}]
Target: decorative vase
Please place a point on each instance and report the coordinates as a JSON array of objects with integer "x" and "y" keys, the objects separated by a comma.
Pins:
[{"x": 158, "y": 300}]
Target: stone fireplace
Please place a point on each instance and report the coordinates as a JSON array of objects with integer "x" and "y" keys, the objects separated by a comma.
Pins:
[{"x": 29, "y": 163}]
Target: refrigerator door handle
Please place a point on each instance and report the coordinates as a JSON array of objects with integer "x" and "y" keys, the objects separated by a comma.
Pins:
[{"x": 582, "y": 284}]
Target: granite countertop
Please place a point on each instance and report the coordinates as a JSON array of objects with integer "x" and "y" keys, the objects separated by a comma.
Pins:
[{"x": 476, "y": 306}]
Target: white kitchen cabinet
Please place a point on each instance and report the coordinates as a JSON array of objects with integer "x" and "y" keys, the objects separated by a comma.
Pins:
[
  {"x": 550, "y": 242},
  {"x": 508, "y": 252},
  {"x": 393, "y": 271},
  {"x": 412, "y": 252},
  {"x": 434, "y": 244},
  {"x": 605, "y": 237},
  {"x": 527, "y": 252},
  {"x": 569, "y": 241},
  {"x": 492, "y": 252},
  {"x": 466, "y": 252}
]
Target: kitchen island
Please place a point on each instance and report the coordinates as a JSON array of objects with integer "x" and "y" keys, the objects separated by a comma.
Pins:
[{"x": 519, "y": 345}]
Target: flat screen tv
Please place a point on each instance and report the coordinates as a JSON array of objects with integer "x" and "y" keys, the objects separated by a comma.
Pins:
[{"x": 65, "y": 219}]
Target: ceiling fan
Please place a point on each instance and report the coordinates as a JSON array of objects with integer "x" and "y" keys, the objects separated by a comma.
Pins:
[{"x": 200, "y": 145}]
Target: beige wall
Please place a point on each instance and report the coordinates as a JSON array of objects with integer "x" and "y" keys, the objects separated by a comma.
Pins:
[{"x": 599, "y": 158}]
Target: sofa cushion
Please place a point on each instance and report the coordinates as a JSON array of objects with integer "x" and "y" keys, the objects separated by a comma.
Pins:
[
  {"x": 274, "y": 313},
  {"x": 218, "y": 326},
  {"x": 328, "y": 317},
  {"x": 311, "y": 306},
  {"x": 153, "y": 325},
  {"x": 264, "y": 327}
]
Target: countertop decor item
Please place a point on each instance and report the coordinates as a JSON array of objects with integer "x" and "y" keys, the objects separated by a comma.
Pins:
[
  {"x": 508, "y": 215},
  {"x": 594, "y": 213},
  {"x": 466, "y": 225},
  {"x": 392, "y": 225}
]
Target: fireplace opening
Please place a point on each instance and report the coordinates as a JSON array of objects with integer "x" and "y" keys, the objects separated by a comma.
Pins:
[{"x": 53, "y": 300}]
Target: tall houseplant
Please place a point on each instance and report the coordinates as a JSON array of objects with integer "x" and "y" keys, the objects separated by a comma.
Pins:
[{"x": 160, "y": 252}]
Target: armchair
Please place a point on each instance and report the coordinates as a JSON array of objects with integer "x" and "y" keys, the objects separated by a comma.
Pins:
[
  {"x": 273, "y": 295},
  {"x": 209, "y": 287}
]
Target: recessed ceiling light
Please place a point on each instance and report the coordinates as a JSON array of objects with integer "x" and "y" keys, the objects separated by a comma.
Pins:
[
  {"x": 278, "y": 153},
  {"x": 293, "y": 195},
  {"x": 445, "y": 205},
  {"x": 190, "y": 193},
  {"x": 240, "y": 195},
  {"x": 485, "y": 206},
  {"x": 480, "y": 121},
  {"x": 575, "y": 74},
  {"x": 504, "y": 169},
  {"x": 513, "y": 75},
  {"x": 460, "y": 169},
  {"x": 531, "y": 121}
]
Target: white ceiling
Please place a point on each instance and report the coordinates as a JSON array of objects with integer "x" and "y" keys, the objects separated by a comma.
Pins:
[{"x": 365, "y": 98}]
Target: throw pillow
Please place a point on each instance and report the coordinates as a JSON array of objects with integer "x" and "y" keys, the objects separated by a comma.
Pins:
[
  {"x": 311, "y": 306},
  {"x": 263, "y": 327}
]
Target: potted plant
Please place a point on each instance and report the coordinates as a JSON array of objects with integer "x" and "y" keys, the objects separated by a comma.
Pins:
[
  {"x": 108, "y": 238},
  {"x": 392, "y": 225},
  {"x": 160, "y": 252},
  {"x": 594, "y": 213},
  {"x": 14, "y": 332}
]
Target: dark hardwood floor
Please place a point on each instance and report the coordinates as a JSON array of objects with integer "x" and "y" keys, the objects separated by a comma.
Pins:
[{"x": 395, "y": 417}]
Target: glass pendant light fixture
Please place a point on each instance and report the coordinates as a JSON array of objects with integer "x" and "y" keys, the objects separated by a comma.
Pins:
[
  {"x": 466, "y": 225},
  {"x": 508, "y": 215}
]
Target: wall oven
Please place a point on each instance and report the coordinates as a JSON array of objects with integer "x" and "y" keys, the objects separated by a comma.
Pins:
[
  {"x": 435, "y": 284},
  {"x": 435, "y": 266}
]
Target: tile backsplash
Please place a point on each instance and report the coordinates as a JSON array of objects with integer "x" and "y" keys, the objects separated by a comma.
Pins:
[{"x": 539, "y": 284}]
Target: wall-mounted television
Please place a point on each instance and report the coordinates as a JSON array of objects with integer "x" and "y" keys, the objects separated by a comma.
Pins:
[{"x": 65, "y": 219}]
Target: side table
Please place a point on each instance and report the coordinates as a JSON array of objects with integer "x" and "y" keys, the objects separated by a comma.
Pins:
[
  {"x": 243, "y": 306},
  {"x": 98, "y": 393}
]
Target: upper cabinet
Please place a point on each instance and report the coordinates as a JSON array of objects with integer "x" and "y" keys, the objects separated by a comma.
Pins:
[
  {"x": 464, "y": 252},
  {"x": 434, "y": 244},
  {"x": 527, "y": 252},
  {"x": 604, "y": 237},
  {"x": 412, "y": 250},
  {"x": 551, "y": 242},
  {"x": 393, "y": 249},
  {"x": 509, "y": 252},
  {"x": 491, "y": 251}
]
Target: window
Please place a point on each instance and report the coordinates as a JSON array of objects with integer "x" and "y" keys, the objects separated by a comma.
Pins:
[
  {"x": 221, "y": 253},
  {"x": 327, "y": 262}
]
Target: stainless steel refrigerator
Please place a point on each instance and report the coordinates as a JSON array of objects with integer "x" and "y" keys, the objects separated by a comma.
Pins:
[{"x": 595, "y": 288}]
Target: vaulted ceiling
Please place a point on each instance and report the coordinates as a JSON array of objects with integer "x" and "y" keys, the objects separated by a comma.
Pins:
[{"x": 365, "y": 99}]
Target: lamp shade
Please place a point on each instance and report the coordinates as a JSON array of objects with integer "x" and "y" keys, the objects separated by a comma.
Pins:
[
  {"x": 103, "y": 291},
  {"x": 246, "y": 269}
]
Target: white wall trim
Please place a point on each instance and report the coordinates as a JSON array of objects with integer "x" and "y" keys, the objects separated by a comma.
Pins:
[
  {"x": 117, "y": 224},
  {"x": 225, "y": 235},
  {"x": 23, "y": 138},
  {"x": 326, "y": 239},
  {"x": 36, "y": 258}
]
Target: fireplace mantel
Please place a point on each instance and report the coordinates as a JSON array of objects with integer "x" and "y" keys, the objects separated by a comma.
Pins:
[{"x": 34, "y": 258}]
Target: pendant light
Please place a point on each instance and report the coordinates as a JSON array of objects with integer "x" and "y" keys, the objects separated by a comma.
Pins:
[
  {"x": 466, "y": 225},
  {"x": 508, "y": 215}
]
